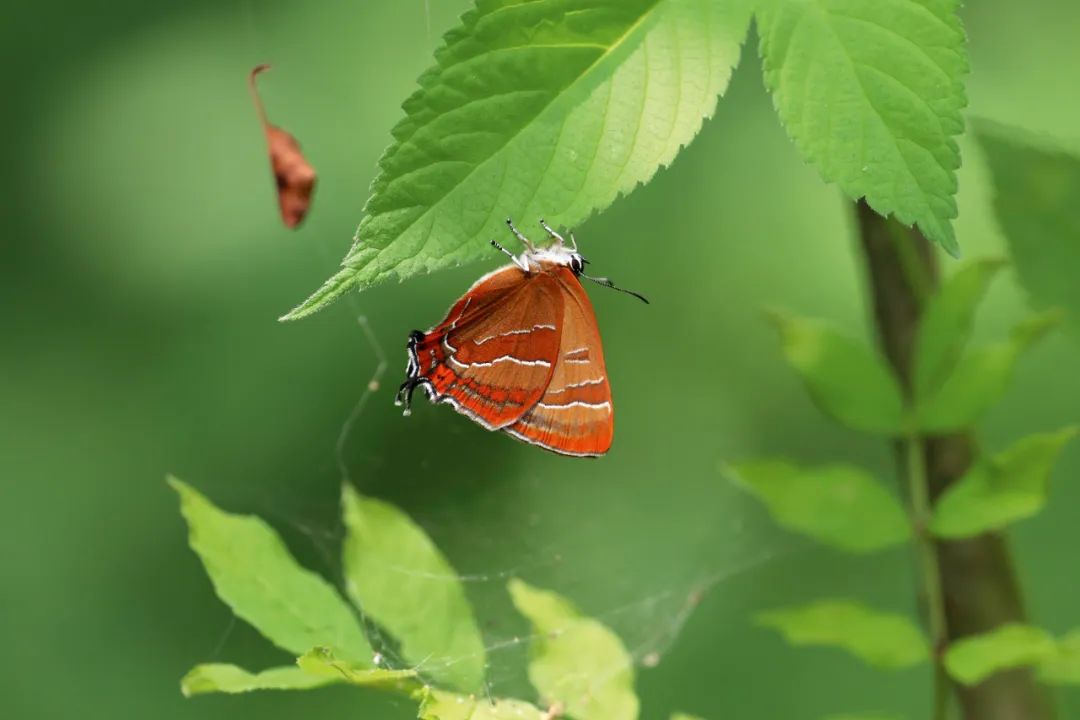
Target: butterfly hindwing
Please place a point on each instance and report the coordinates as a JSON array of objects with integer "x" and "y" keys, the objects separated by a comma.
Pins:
[{"x": 575, "y": 415}]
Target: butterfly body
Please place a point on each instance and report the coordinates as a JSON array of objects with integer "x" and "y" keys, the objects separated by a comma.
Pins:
[{"x": 520, "y": 352}]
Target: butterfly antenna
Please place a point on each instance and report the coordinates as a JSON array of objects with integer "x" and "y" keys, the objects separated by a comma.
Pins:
[
  {"x": 608, "y": 284},
  {"x": 524, "y": 240}
]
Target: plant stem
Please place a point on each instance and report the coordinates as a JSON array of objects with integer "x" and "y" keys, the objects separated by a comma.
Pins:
[
  {"x": 934, "y": 598},
  {"x": 974, "y": 578}
]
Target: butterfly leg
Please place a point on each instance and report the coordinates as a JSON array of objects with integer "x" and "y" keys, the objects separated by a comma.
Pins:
[
  {"x": 521, "y": 263},
  {"x": 554, "y": 235},
  {"x": 524, "y": 240}
]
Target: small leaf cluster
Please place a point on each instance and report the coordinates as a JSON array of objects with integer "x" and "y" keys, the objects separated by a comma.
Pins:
[
  {"x": 398, "y": 582},
  {"x": 847, "y": 508}
]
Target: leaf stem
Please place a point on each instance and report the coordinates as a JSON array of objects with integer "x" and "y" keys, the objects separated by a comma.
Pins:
[{"x": 934, "y": 597}]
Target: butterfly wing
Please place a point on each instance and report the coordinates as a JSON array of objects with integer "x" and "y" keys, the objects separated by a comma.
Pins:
[
  {"x": 493, "y": 355},
  {"x": 575, "y": 414}
]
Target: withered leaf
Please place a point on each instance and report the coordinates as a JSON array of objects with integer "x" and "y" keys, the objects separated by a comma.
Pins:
[{"x": 294, "y": 176}]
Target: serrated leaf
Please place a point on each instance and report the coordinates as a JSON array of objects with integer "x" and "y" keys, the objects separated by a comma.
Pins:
[
  {"x": 882, "y": 639},
  {"x": 1037, "y": 191},
  {"x": 871, "y": 93},
  {"x": 1009, "y": 487},
  {"x": 980, "y": 378},
  {"x": 575, "y": 661},
  {"x": 946, "y": 323},
  {"x": 255, "y": 575},
  {"x": 441, "y": 705},
  {"x": 321, "y": 663},
  {"x": 848, "y": 381},
  {"x": 224, "y": 678},
  {"x": 1062, "y": 666},
  {"x": 399, "y": 579},
  {"x": 537, "y": 109},
  {"x": 973, "y": 659},
  {"x": 838, "y": 505}
]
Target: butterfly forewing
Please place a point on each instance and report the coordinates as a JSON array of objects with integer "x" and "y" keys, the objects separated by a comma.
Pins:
[
  {"x": 574, "y": 416},
  {"x": 494, "y": 354}
]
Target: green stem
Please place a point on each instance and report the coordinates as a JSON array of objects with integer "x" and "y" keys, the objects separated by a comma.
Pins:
[{"x": 934, "y": 596}]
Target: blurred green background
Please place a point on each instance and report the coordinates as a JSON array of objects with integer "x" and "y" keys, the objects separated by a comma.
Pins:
[{"x": 143, "y": 269}]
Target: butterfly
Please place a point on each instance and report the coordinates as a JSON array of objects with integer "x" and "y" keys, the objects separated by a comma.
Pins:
[{"x": 520, "y": 352}]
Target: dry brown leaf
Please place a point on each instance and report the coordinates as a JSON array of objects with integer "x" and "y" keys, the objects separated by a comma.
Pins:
[{"x": 294, "y": 176}]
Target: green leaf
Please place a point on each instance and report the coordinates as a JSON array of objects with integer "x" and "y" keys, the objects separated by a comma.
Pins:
[
  {"x": 397, "y": 576},
  {"x": 684, "y": 716},
  {"x": 863, "y": 716},
  {"x": 1010, "y": 487},
  {"x": 223, "y": 678},
  {"x": 321, "y": 663},
  {"x": 838, "y": 505},
  {"x": 881, "y": 639},
  {"x": 946, "y": 323},
  {"x": 440, "y": 705},
  {"x": 847, "y": 380},
  {"x": 1037, "y": 193},
  {"x": 973, "y": 659},
  {"x": 981, "y": 378},
  {"x": 254, "y": 574},
  {"x": 575, "y": 661},
  {"x": 1062, "y": 667},
  {"x": 871, "y": 93},
  {"x": 537, "y": 109}
]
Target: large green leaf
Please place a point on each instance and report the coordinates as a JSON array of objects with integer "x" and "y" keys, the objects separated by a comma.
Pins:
[
  {"x": 575, "y": 661},
  {"x": 1009, "y": 487},
  {"x": 1062, "y": 666},
  {"x": 980, "y": 378},
  {"x": 441, "y": 705},
  {"x": 223, "y": 678},
  {"x": 838, "y": 505},
  {"x": 550, "y": 108},
  {"x": 946, "y": 323},
  {"x": 254, "y": 574},
  {"x": 973, "y": 659},
  {"x": 871, "y": 93},
  {"x": 399, "y": 579},
  {"x": 847, "y": 379},
  {"x": 881, "y": 639},
  {"x": 1037, "y": 194}
]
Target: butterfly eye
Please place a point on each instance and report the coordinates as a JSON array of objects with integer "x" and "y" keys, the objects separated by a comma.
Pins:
[{"x": 577, "y": 263}]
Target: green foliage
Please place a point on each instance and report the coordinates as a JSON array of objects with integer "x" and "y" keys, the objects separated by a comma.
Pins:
[
  {"x": 837, "y": 505},
  {"x": 1062, "y": 666},
  {"x": 254, "y": 574},
  {"x": 946, "y": 323},
  {"x": 401, "y": 581},
  {"x": 882, "y": 639},
  {"x": 321, "y": 663},
  {"x": 575, "y": 661},
  {"x": 995, "y": 492},
  {"x": 847, "y": 380},
  {"x": 539, "y": 109},
  {"x": 871, "y": 93},
  {"x": 981, "y": 377},
  {"x": 1037, "y": 193},
  {"x": 224, "y": 678},
  {"x": 439, "y": 705},
  {"x": 684, "y": 716},
  {"x": 863, "y": 716},
  {"x": 973, "y": 659}
]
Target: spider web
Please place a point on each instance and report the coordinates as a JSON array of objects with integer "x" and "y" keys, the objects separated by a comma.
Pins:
[{"x": 647, "y": 610}]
